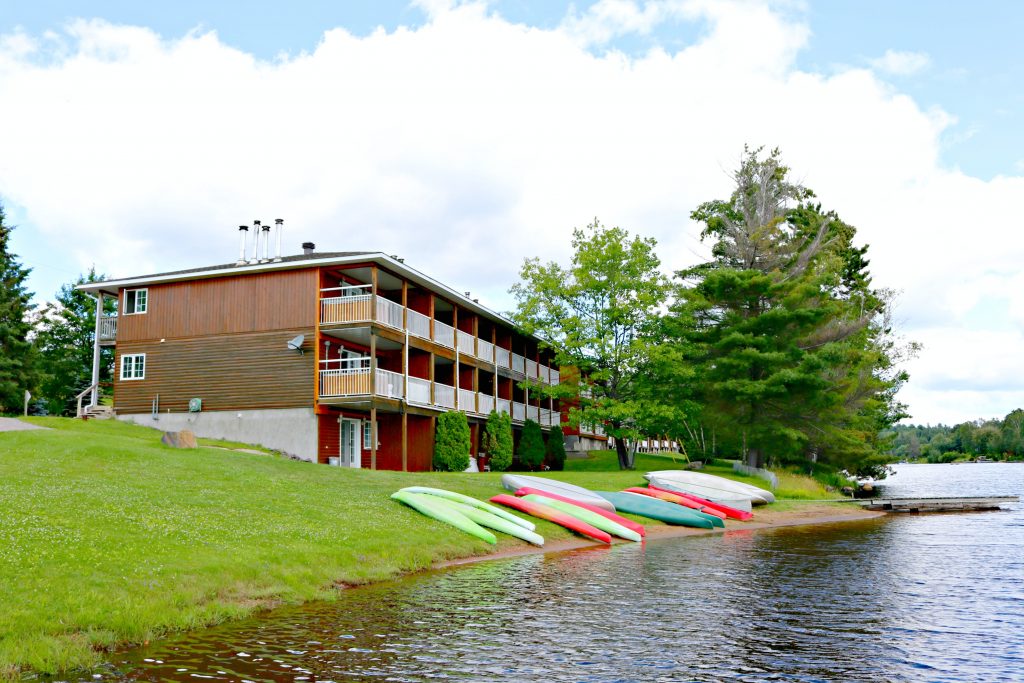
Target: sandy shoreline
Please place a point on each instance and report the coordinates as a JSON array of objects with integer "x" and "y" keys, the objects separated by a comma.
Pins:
[{"x": 764, "y": 518}]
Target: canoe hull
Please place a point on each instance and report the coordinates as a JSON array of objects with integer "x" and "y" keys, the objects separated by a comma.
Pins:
[
  {"x": 552, "y": 515},
  {"x": 757, "y": 495},
  {"x": 514, "y": 482},
  {"x": 435, "y": 509},
  {"x": 618, "y": 519},
  {"x": 734, "y": 500},
  {"x": 670, "y": 513}
]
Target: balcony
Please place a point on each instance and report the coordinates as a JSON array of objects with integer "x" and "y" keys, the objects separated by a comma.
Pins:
[
  {"x": 108, "y": 329},
  {"x": 356, "y": 381},
  {"x": 354, "y": 304}
]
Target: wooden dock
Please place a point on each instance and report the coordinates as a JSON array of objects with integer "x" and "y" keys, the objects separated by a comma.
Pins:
[{"x": 936, "y": 504}]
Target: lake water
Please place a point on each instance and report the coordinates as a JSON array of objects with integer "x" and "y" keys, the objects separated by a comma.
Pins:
[{"x": 936, "y": 597}]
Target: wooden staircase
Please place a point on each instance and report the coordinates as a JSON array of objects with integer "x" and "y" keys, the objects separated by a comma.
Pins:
[{"x": 98, "y": 412}]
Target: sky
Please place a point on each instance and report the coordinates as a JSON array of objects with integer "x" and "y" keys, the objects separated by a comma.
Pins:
[{"x": 467, "y": 136}]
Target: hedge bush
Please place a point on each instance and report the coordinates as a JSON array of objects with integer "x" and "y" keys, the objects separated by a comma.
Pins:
[
  {"x": 498, "y": 441},
  {"x": 531, "y": 446},
  {"x": 451, "y": 442},
  {"x": 556, "y": 449}
]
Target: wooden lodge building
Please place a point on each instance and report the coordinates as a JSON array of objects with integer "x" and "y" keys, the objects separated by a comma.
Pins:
[{"x": 344, "y": 358}]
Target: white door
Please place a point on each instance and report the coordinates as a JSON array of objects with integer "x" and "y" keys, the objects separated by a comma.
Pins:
[{"x": 351, "y": 433}]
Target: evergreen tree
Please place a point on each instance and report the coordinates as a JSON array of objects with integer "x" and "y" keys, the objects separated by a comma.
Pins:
[
  {"x": 498, "y": 440},
  {"x": 531, "y": 446},
  {"x": 65, "y": 334},
  {"x": 17, "y": 371},
  {"x": 789, "y": 350},
  {"x": 452, "y": 442},
  {"x": 556, "y": 449}
]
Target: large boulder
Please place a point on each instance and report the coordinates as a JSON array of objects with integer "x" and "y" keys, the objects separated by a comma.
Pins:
[{"x": 182, "y": 439}]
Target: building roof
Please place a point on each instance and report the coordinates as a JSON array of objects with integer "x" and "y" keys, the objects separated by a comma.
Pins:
[{"x": 314, "y": 259}]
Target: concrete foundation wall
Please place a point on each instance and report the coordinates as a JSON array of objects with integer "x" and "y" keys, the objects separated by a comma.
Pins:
[{"x": 292, "y": 431}]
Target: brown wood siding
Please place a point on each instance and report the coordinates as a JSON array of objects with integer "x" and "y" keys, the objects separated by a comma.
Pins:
[
  {"x": 329, "y": 437},
  {"x": 421, "y": 443},
  {"x": 231, "y": 372},
  {"x": 225, "y": 305}
]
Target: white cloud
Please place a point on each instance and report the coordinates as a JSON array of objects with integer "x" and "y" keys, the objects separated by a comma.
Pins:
[
  {"x": 900, "y": 63},
  {"x": 470, "y": 142}
]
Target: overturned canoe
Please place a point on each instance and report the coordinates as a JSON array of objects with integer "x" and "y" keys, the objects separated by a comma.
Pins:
[
  {"x": 514, "y": 482},
  {"x": 713, "y": 482},
  {"x": 436, "y": 509},
  {"x": 549, "y": 513},
  {"x": 469, "y": 500},
  {"x": 486, "y": 519},
  {"x": 718, "y": 518},
  {"x": 728, "y": 511},
  {"x": 670, "y": 513},
  {"x": 618, "y": 519},
  {"x": 739, "y": 501},
  {"x": 592, "y": 518}
]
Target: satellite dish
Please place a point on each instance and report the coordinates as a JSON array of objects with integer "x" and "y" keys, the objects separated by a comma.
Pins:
[{"x": 296, "y": 343}]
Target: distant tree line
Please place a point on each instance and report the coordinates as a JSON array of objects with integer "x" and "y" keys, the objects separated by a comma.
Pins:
[{"x": 997, "y": 439}]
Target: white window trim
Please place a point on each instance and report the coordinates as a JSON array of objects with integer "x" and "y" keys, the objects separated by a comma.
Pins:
[
  {"x": 136, "y": 289},
  {"x": 367, "y": 438},
  {"x": 133, "y": 356}
]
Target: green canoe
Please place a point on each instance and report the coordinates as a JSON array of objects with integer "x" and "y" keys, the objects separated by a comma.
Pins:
[
  {"x": 469, "y": 500},
  {"x": 435, "y": 509},
  {"x": 484, "y": 518},
  {"x": 588, "y": 516},
  {"x": 670, "y": 513}
]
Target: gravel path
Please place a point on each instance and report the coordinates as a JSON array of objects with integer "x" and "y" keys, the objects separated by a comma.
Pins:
[{"x": 10, "y": 424}]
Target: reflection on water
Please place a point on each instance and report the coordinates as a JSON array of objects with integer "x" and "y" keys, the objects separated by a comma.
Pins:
[{"x": 905, "y": 598}]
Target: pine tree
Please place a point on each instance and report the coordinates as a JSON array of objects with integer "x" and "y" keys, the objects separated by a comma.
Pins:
[
  {"x": 531, "y": 446},
  {"x": 17, "y": 372}
]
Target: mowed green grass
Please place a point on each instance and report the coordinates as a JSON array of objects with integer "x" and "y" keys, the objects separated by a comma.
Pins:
[{"x": 108, "y": 537}]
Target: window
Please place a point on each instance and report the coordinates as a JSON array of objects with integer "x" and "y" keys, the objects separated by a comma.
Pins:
[
  {"x": 135, "y": 301},
  {"x": 368, "y": 436},
  {"x": 356, "y": 361},
  {"x": 133, "y": 366}
]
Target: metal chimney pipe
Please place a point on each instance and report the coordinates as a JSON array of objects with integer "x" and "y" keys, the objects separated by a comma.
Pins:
[
  {"x": 255, "y": 242},
  {"x": 243, "y": 233},
  {"x": 279, "y": 224},
  {"x": 266, "y": 242}
]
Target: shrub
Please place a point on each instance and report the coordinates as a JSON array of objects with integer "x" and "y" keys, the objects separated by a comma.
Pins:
[
  {"x": 451, "y": 442},
  {"x": 498, "y": 441},
  {"x": 556, "y": 449},
  {"x": 531, "y": 446}
]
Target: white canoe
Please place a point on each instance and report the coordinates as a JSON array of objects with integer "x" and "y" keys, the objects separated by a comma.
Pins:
[
  {"x": 514, "y": 482},
  {"x": 757, "y": 495},
  {"x": 740, "y": 501}
]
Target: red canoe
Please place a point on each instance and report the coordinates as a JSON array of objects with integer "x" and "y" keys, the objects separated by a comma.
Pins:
[
  {"x": 678, "y": 500},
  {"x": 552, "y": 515},
  {"x": 729, "y": 511},
  {"x": 618, "y": 519}
]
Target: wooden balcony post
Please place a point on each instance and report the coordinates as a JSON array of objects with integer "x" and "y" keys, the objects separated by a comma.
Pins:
[
  {"x": 430, "y": 311},
  {"x": 430, "y": 373},
  {"x": 373, "y": 436},
  {"x": 405, "y": 305},
  {"x": 405, "y": 440},
  {"x": 373, "y": 292}
]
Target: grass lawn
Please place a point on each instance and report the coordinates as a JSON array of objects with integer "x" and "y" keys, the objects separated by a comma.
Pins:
[{"x": 108, "y": 537}]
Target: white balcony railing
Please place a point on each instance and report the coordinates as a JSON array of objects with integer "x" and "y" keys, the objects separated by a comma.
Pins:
[
  {"x": 485, "y": 350},
  {"x": 484, "y": 403},
  {"x": 419, "y": 324},
  {"x": 419, "y": 391},
  {"x": 531, "y": 368},
  {"x": 501, "y": 357},
  {"x": 467, "y": 401},
  {"x": 389, "y": 313},
  {"x": 444, "y": 334},
  {"x": 390, "y": 384},
  {"x": 108, "y": 328},
  {"x": 466, "y": 343},
  {"x": 518, "y": 412},
  {"x": 503, "y": 406},
  {"x": 444, "y": 395},
  {"x": 518, "y": 364}
]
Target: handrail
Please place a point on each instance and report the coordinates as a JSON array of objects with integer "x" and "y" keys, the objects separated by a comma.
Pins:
[{"x": 78, "y": 411}]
